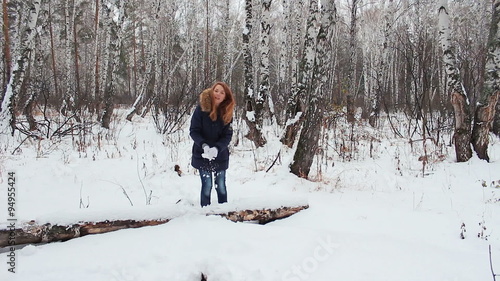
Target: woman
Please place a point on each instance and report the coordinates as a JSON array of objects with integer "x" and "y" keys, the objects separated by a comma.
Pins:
[{"x": 211, "y": 132}]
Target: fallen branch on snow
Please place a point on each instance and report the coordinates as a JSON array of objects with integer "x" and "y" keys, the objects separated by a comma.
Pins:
[{"x": 32, "y": 233}]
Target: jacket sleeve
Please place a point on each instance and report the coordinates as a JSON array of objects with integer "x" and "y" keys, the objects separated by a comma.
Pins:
[
  {"x": 225, "y": 137},
  {"x": 196, "y": 127}
]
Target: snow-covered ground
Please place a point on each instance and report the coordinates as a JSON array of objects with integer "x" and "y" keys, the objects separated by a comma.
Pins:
[{"x": 372, "y": 218}]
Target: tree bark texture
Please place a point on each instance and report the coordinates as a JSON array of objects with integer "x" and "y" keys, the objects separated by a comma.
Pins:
[
  {"x": 115, "y": 45},
  {"x": 496, "y": 120},
  {"x": 52, "y": 50},
  {"x": 149, "y": 74},
  {"x": 351, "y": 76},
  {"x": 459, "y": 100},
  {"x": 6, "y": 44},
  {"x": 297, "y": 102},
  {"x": 254, "y": 107},
  {"x": 32, "y": 96},
  {"x": 485, "y": 110},
  {"x": 483, "y": 119},
  {"x": 33, "y": 233},
  {"x": 309, "y": 137},
  {"x": 264, "y": 87},
  {"x": 96, "y": 69},
  {"x": 7, "y": 108},
  {"x": 462, "y": 134}
]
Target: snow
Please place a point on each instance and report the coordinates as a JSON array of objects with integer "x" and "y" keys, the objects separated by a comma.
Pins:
[
  {"x": 295, "y": 119},
  {"x": 250, "y": 116},
  {"x": 371, "y": 218}
]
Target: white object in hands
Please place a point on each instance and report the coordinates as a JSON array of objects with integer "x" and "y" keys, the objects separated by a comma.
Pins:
[
  {"x": 206, "y": 151},
  {"x": 212, "y": 152}
]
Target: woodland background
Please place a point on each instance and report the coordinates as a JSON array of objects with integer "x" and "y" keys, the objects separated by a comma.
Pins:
[{"x": 66, "y": 64}]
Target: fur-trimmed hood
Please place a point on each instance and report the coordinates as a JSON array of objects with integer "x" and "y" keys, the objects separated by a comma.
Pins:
[{"x": 206, "y": 100}]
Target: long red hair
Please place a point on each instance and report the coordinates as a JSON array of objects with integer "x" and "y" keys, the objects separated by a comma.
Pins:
[{"x": 226, "y": 107}]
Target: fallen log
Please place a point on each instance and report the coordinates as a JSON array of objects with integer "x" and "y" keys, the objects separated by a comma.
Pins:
[
  {"x": 33, "y": 233},
  {"x": 262, "y": 216}
]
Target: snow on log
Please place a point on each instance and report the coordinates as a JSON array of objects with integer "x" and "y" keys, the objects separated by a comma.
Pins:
[
  {"x": 33, "y": 233},
  {"x": 262, "y": 216}
]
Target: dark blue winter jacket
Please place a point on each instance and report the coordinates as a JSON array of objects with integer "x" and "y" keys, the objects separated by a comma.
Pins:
[{"x": 214, "y": 134}]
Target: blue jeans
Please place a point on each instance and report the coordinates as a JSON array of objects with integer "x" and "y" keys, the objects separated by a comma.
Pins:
[{"x": 206, "y": 186}]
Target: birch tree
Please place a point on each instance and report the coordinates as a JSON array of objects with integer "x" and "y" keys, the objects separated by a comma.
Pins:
[
  {"x": 485, "y": 110},
  {"x": 6, "y": 43},
  {"x": 296, "y": 101},
  {"x": 308, "y": 142},
  {"x": 255, "y": 133},
  {"x": 53, "y": 49},
  {"x": 227, "y": 51},
  {"x": 250, "y": 106},
  {"x": 283, "y": 52},
  {"x": 25, "y": 47},
  {"x": 382, "y": 67},
  {"x": 150, "y": 72},
  {"x": 459, "y": 99},
  {"x": 296, "y": 45},
  {"x": 96, "y": 67},
  {"x": 496, "y": 120},
  {"x": 351, "y": 75},
  {"x": 115, "y": 15}
]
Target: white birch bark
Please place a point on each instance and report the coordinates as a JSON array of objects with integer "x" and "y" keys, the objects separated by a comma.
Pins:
[
  {"x": 459, "y": 99},
  {"x": 226, "y": 27},
  {"x": 351, "y": 76},
  {"x": 382, "y": 68},
  {"x": 283, "y": 57},
  {"x": 25, "y": 47},
  {"x": 309, "y": 137},
  {"x": 297, "y": 101},
  {"x": 296, "y": 42},
  {"x": 485, "y": 110},
  {"x": 69, "y": 21},
  {"x": 95, "y": 72},
  {"x": 263, "y": 93},
  {"x": 114, "y": 19},
  {"x": 250, "y": 98}
]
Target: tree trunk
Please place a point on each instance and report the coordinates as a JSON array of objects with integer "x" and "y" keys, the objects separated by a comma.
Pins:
[
  {"x": 207, "y": 45},
  {"x": 296, "y": 103},
  {"x": 296, "y": 38},
  {"x": 382, "y": 67},
  {"x": 68, "y": 101},
  {"x": 283, "y": 61},
  {"x": 6, "y": 45},
  {"x": 462, "y": 134},
  {"x": 135, "y": 107},
  {"x": 308, "y": 142},
  {"x": 33, "y": 233},
  {"x": 149, "y": 73},
  {"x": 76, "y": 55},
  {"x": 496, "y": 121},
  {"x": 31, "y": 100},
  {"x": 483, "y": 119},
  {"x": 351, "y": 76},
  {"x": 485, "y": 110},
  {"x": 95, "y": 76},
  {"x": 115, "y": 45},
  {"x": 52, "y": 51},
  {"x": 459, "y": 100},
  {"x": 294, "y": 106},
  {"x": 256, "y": 134},
  {"x": 251, "y": 115},
  {"x": 7, "y": 113},
  {"x": 227, "y": 49}
]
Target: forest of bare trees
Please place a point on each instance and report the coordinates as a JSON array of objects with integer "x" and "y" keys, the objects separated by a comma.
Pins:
[{"x": 67, "y": 64}]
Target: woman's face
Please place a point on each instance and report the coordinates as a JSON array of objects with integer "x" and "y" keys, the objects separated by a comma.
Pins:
[{"x": 219, "y": 94}]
